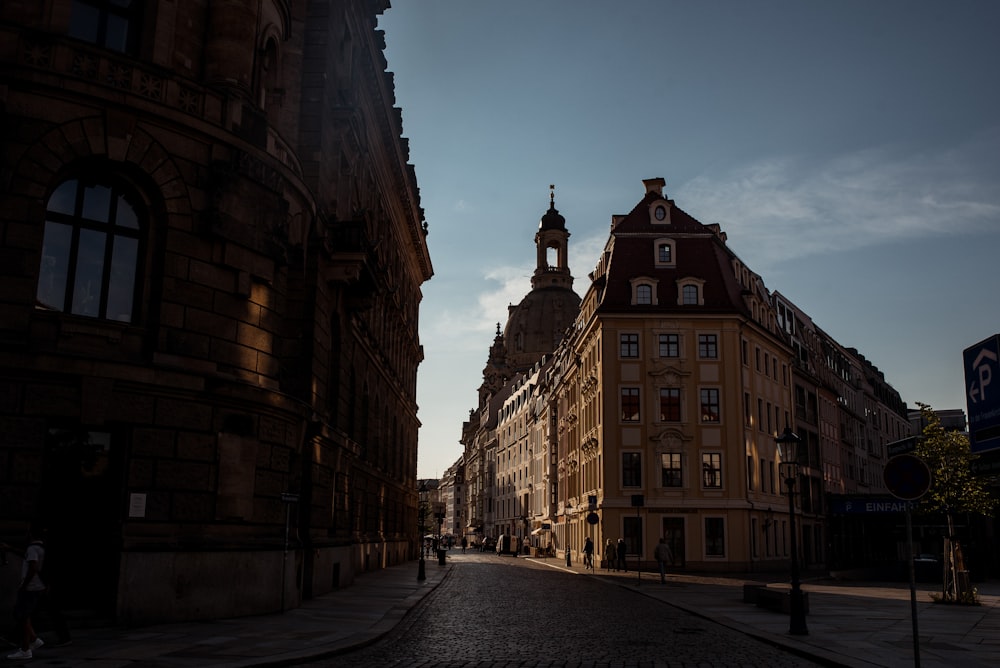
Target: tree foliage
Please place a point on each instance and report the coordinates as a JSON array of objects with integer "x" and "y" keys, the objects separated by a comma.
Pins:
[{"x": 954, "y": 488}]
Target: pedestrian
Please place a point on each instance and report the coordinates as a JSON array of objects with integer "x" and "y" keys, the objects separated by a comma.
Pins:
[
  {"x": 49, "y": 613},
  {"x": 609, "y": 555},
  {"x": 29, "y": 593},
  {"x": 465, "y": 544},
  {"x": 663, "y": 555},
  {"x": 621, "y": 556},
  {"x": 588, "y": 553}
]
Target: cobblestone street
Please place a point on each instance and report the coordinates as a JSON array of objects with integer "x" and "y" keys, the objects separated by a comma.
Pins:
[{"x": 504, "y": 611}]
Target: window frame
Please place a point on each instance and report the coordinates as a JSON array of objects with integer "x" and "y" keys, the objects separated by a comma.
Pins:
[
  {"x": 672, "y": 395},
  {"x": 671, "y": 470},
  {"x": 671, "y": 342},
  {"x": 711, "y": 470},
  {"x": 630, "y": 397},
  {"x": 631, "y": 463},
  {"x": 628, "y": 345},
  {"x": 132, "y": 18},
  {"x": 710, "y": 398},
  {"x": 121, "y": 239},
  {"x": 708, "y": 346},
  {"x": 715, "y": 537}
]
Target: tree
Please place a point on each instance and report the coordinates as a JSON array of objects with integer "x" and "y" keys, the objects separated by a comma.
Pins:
[{"x": 954, "y": 490}]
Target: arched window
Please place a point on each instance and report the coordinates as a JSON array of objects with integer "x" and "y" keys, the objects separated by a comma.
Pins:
[
  {"x": 690, "y": 291},
  {"x": 644, "y": 294},
  {"x": 92, "y": 249}
]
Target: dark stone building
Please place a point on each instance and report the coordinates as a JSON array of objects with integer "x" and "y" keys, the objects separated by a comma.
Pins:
[{"x": 211, "y": 258}]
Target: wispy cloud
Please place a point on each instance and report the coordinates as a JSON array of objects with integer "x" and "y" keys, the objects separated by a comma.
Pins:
[{"x": 786, "y": 207}]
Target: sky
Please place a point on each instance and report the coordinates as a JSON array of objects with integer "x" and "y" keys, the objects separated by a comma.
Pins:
[{"x": 850, "y": 149}]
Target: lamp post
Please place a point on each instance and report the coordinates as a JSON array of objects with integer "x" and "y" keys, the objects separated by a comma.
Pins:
[
  {"x": 569, "y": 561},
  {"x": 439, "y": 513},
  {"x": 788, "y": 448},
  {"x": 422, "y": 528}
]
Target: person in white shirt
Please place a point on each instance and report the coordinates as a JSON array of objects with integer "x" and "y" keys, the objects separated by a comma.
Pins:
[{"x": 29, "y": 592}]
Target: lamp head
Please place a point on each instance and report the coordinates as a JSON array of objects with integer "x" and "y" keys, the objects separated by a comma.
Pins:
[{"x": 788, "y": 446}]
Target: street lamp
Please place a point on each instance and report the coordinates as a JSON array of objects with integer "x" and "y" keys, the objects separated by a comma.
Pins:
[
  {"x": 439, "y": 513},
  {"x": 569, "y": 562},
  {"x": 422, "y": 517},
  {"x": 788, "y": 448}
]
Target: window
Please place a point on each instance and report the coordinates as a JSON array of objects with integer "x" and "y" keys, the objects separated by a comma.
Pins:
[
  {"x": 670, "y": 404},
  {"x": 715, "y": 537},
  {"x": 709, "y": 405},
  {"x": 644, "y": 294},
  {"x": 663, "y": 253},
  {"x": 631, "y": 469},
  {"x": 670, "y": 470},
  {"x": 689, "y": 294},
  {"x": 750, "y": 472},
  {"x": 629, "y": 345},
  {"x": 711, "y": 468},
  {"x": 632, "y": 533},
  {"x": 112, "y": 24},
  {"x": 708, "y": 346},
  {"x": 630, "y": 404},
  {"x": 670, "y": 345},
  {"x": 91, "y": 250}
]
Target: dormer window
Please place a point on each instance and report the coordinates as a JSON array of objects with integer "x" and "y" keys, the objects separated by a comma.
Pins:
[
  {"x": 659, "y": 212},
  {"x": 643, "y": 291},
  {"x": 690, "y": 292},
  {"x": 665, "y": 256}
]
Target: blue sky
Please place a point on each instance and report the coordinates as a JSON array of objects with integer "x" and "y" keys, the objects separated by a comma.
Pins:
[{"x": 850, "y": 149}]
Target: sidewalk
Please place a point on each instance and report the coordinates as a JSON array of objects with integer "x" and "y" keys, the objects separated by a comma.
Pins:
[
  {"x": 850, "y": 624},
  {"x": 855, "y": 624}
]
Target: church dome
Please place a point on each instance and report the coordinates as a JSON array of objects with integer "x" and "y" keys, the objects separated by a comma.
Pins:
[{"x": 536, "y": 325}]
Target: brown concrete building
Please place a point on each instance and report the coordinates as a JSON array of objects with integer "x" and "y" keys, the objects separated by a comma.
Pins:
[{"x": 211, "y": 258}]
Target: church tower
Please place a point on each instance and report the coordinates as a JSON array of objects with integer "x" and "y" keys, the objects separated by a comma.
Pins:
[{"x": 536, "y": 325}]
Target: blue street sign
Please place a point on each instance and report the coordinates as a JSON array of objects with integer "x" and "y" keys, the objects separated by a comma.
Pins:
[
  {"x": 907, "y": 477},
  {"x": 982, "y": 393}
]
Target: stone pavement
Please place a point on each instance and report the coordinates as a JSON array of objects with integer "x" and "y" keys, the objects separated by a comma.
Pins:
[{"x": 855, "y": 624}]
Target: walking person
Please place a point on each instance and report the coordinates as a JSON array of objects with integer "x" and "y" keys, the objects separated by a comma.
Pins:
[
  {"x": 609, "y": 555},
  {"x": 465, "y": 544},
  {"x": 29, "y": 593},
  {"x": 621, "y": 556},
  {"x": 663, "y": 555},
  {"x": 588, "y": 553}
]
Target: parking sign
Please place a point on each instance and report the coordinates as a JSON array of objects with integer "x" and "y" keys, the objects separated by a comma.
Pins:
[{"x": 982, "y": 393}]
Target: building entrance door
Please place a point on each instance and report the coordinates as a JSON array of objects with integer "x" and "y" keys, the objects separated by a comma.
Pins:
[
  {"x": 673, "y": 531},
  {"x": 81, "y": 489}
]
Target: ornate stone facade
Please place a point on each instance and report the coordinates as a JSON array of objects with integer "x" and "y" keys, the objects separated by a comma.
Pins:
[{"x": 212, "y": 256}]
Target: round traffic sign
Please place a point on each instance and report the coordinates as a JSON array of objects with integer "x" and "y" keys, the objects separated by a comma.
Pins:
[{"x": 907, "y": 477}]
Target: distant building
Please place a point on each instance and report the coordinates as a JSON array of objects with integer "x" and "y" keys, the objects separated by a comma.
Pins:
[
  {"x": 656, "y": 414},
  {"x": 494, "y": 473},
  {"x": 212, "y": 256}
]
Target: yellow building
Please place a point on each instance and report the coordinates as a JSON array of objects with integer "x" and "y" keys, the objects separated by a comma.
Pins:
[{"x": 669, "y": 394}]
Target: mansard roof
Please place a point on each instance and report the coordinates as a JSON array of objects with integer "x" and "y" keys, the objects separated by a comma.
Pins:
[{"x": 699, "y": 253}]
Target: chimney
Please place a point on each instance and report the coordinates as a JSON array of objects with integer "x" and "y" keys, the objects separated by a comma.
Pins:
[{"x": 655, "y": 185}]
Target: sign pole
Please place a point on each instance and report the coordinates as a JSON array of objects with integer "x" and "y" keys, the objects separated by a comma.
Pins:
[
  {"x": 907, "y": 478},
  {"x": 913, "y": 588}
]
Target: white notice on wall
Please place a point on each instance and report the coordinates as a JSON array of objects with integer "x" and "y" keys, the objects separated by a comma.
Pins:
[{"x": 137, "y": 505}]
